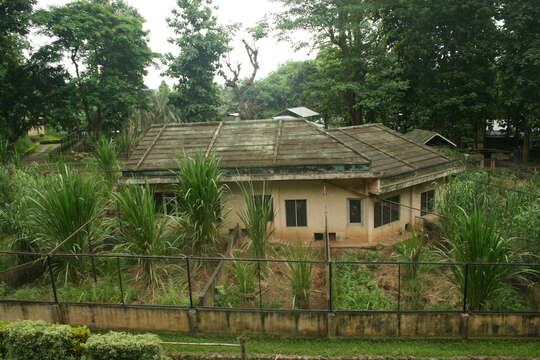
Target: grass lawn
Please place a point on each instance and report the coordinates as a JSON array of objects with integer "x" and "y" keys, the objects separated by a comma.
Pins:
[{"x": 325, "y": 347}]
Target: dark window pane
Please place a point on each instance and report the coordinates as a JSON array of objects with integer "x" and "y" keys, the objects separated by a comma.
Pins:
[
  {"x": 355, "y": 211},
  {"x": 290, "y": 210},
  {"x": 301, "y": 213},
  {"x": 386, "y": 212},
  {"x": 395, "y": 208},
  {"x": 427, "y": 202},
  {"x": 378, "y": 213}
]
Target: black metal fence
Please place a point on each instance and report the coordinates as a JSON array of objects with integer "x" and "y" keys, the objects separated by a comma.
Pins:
[{"x": 351, "y": 286}]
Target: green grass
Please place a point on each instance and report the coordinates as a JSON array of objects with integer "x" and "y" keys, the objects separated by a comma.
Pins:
[{"x": 325, "y": 347}]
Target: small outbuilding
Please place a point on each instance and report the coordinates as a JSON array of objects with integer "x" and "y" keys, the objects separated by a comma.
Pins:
[
  {"x": 430, "y": 138},
  {"x": 298, "y": 113}
]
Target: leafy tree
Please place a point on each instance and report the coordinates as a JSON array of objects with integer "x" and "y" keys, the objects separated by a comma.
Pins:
[
  {"x": 109, "y": 64},
  {"x": 31, "y": 89},
  {"x": 202, "y": 42},
  {"x": 447, "y": 51},
  {"x": 348, "y": 36},
  {"x": 520, "y": 66}
]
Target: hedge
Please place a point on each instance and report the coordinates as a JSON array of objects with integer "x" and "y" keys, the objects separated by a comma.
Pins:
[
  {"x": 29, "y": 340},
  {"x": 37, "y": 340},
  {"x": 122, "y": 346}
]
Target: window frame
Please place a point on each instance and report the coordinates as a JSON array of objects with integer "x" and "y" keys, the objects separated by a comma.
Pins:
[
  {"x": 296, "y": 209},
  {"x": 349, "y": 220},
  {"x": 430, "y": 203},
  {"x": 391, "y": 211}
]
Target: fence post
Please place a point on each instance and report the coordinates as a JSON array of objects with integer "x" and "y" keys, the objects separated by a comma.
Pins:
[
  {"x": 465, "y": 289},
  {"x": 120, "y": 279},
  {"x": 399, "y": 289},
  {"x": 330, "y": 303},
  {"x": 189, "y": 283},
  {"x": 260, "y": 289},
  {"x": 53, "y": 284},
  {"x": 243, "y": 354}
]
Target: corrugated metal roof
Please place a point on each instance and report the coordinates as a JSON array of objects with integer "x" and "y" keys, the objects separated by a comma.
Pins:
[
  {"x": 295, "y": 146},
  {"x": 391, "y": 153},
  {"x": 243, "y": 144},
  {"x": 301, "y": 111}
]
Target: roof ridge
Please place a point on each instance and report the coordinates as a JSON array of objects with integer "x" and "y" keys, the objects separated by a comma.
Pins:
[{"x": 324, "y": 132}]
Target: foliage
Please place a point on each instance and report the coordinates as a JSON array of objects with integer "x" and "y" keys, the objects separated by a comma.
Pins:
[
  {"x": 255, "y": 215},
  {"x": 109, "y": 64},
  {"x": 447, "y": 51},
  {"x": 30, "y": 340},
  {"x": 202, "y": 43},
  {"x": 413, "y": 250},
  {"x": 520, "y": 67},
  {"x": 299, "y": 273},
  {"x": 124, "y": 346},
  {"x": 106, "y": 155},
  {"x": 245, "y": 278},
  {"x": 354, "y": 288},
  {"x": 358, "y": 72},
  {"x": 200, "y": 196},
  {"x": 143, "y": 230},
  {"x": 479, "y": 241},
  {"x": 65, "y": 203},
  {"x": 105, "y": 291},
  {"x": 227, "y": 296},
  {"x": 173, "y": 294}
]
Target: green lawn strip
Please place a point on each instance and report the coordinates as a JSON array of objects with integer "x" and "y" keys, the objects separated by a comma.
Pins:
[{"x": 325, "y": 347}]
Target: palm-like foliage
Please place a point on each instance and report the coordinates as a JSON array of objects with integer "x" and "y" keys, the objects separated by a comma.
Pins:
[
  {"x": 478, "y": 241},
  {"x": 65, "y": 206},
  {"x": 299, "y": 273},
  {"x": 106, "y": 154},
  {"x": 258, "y": 211},
  {"x": 200, "y": 195},
  {"x": 143, "y": 230}
]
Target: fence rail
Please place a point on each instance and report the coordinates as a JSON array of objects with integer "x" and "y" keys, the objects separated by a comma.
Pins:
[{"x": 395, "y": 270}]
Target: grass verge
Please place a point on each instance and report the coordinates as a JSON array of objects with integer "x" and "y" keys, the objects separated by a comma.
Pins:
[{"x": 325, "y": 347}]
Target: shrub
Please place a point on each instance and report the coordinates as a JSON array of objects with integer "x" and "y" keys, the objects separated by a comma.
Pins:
[
  {"x": 28, "y": 340},
  {"x": 200, "y": 195},
  {"x": 299, "y": 273},
  {"x": 255, "y": 216},
  {"x": 123, "y": 346},
  {"x": 245, "y": 275},
  {"x": 144, "y": 230},
  {"x": 479, "y": 241},
  {"x": 106, "y": 155}
]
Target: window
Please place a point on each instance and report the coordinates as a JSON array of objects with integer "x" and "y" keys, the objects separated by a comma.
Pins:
[
  {"x": 355, "y": 211},
  {"x": 427, "y": 202},
  {"x": 296, "y": 212},
  {"x": 267, "y": 200},
  {"x": 166, "y": 203},
  {"x": 387, "y": 211}
]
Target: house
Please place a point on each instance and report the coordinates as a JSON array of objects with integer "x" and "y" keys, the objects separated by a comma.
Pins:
[
  {"x": 358, "y": 184},
  {"x": 298, "y": 113},
  {"x": 430, "y": 138},
  {"x": 36, "y": 131}
]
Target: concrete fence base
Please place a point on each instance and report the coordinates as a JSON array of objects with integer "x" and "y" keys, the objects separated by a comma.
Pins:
[{"x": 278, "y": 323}]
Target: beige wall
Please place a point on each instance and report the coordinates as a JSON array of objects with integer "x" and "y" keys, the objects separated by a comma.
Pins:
[
  {"x": 331, "y": 208},
  {"x": 277, "y": 323}
]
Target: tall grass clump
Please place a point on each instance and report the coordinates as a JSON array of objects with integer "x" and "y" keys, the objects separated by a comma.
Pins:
[
  {"x": 255, "y": 216},
  {"x": 63, "y": 204},
  {"x": 200, "y": 196},
  {"x": 143, "y": 230},
  {"x": 106, "y": 155},
  {"x": 479, "y": 241},
  {"x": 245, "y": 276},
  {"x": 299, "y": 273}
]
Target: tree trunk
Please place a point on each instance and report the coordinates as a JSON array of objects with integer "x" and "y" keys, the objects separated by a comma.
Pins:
[{"x": 526, "y": 141}]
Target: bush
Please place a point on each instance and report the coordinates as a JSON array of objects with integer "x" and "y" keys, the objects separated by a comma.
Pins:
[
  {"x": 28, "y": 340},
  {"x": 123, "y": 346}
]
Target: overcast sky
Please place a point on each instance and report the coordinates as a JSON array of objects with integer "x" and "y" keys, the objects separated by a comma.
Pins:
[{"x": 246, "y": 12}]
